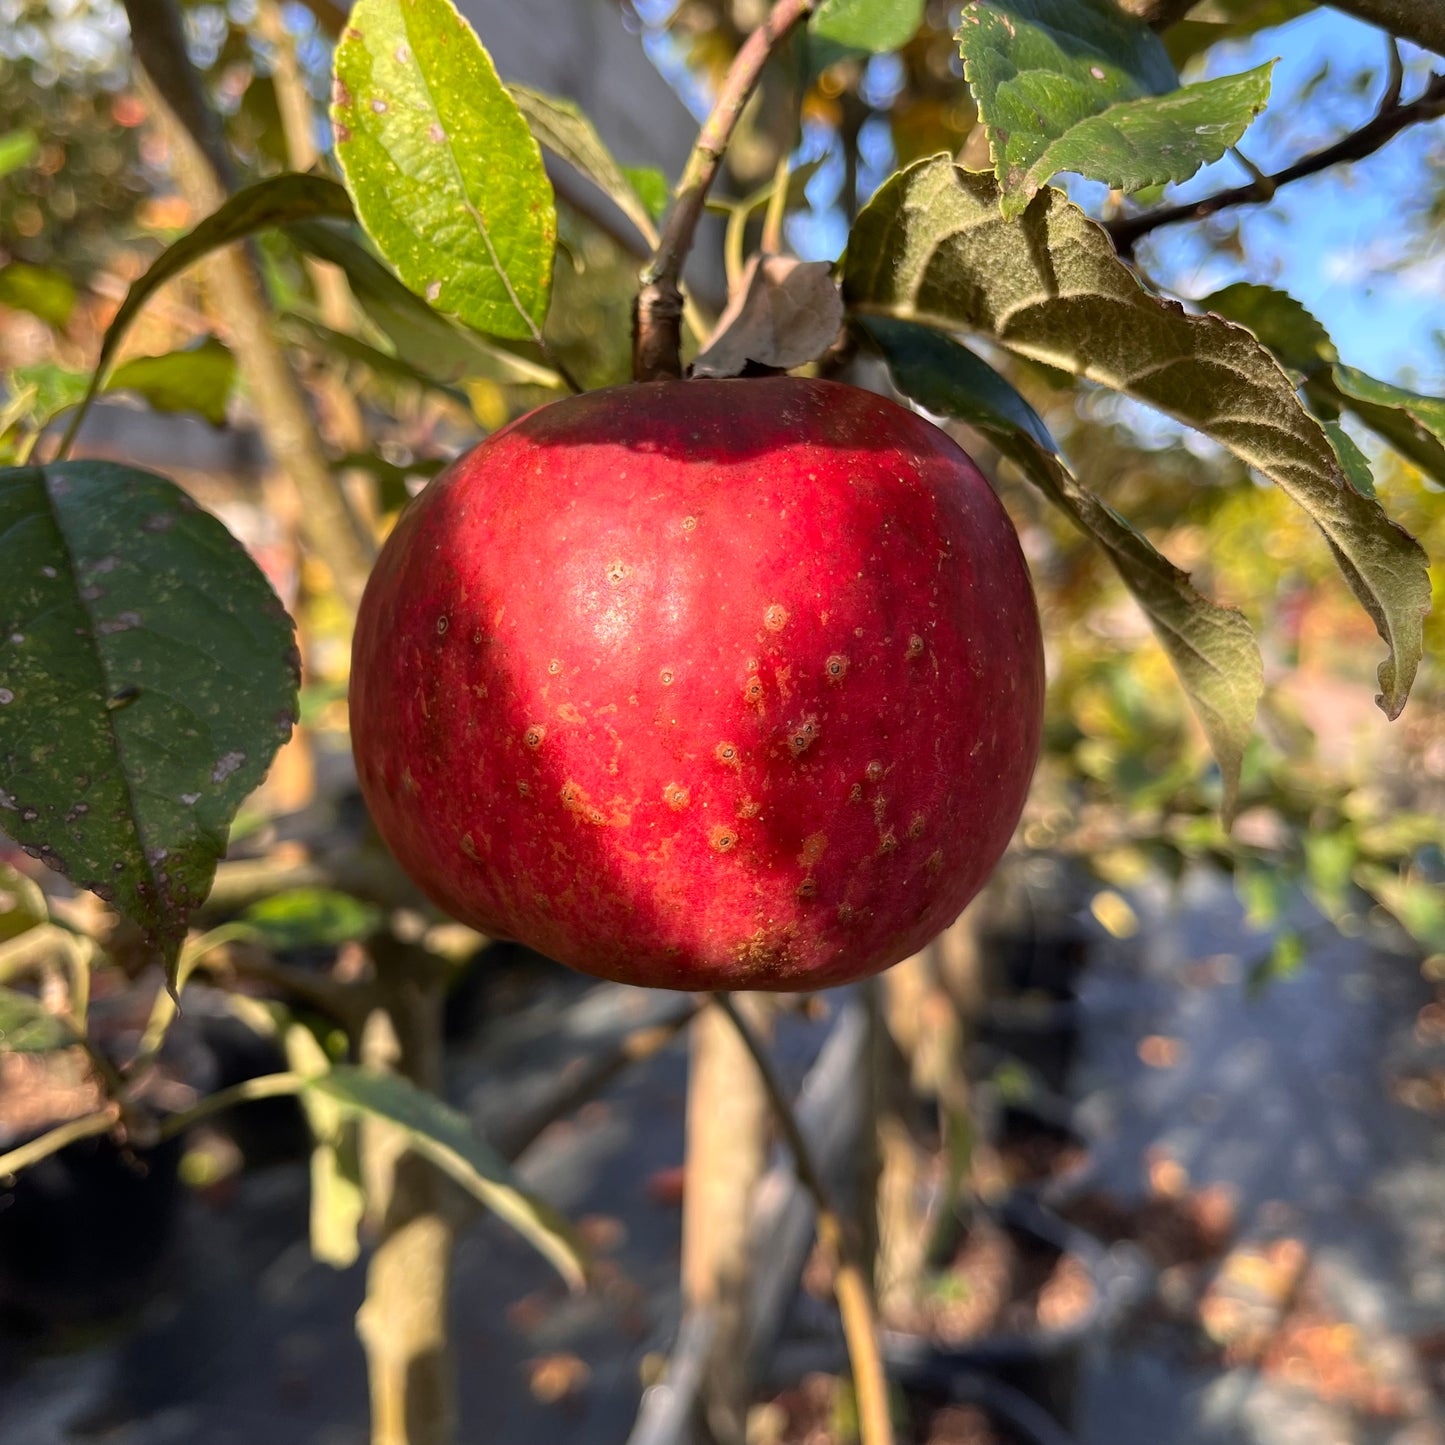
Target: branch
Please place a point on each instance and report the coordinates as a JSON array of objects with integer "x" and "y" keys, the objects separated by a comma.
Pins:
[
  {"x": 1409, "y": 19},
  {"x": 86, "y": 1127},
  {"x": 855, "y": 1299},
  {"x": 657, "y": 316},
  {"x": 1388, "y": 122}
]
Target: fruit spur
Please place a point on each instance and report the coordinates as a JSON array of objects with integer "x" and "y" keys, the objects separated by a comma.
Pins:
[{"x": 710, "y": 684}]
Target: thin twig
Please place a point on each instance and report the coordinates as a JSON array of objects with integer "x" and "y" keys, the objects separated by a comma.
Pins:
[
  {"x": 850, "y": 1285},
  {"x": 657, "y": 339},
  {"x": 1388, "y": 122},
  {"x": 86, "y": 1127},
  {"x": 266, "y": 1086}
]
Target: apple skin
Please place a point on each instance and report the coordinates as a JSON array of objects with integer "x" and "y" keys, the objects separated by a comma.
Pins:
[{"x": 703, "y": 684}]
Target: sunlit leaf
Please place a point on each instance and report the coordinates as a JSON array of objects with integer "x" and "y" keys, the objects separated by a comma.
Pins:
[
  {"x": 560, "y": 127},
  {"x": 311, "y": 917},
  {"x": 441, "y": 1134},
  {"x": 147, "y": 676},
  {"x": 41, "y": 290},
  {"x": 1079, "y": 85},
  {"x": 932, "y": 247},
  {"x": 447, "y": 178},
  {"x": 1212, "y": 648},
  {"x": 870, "y": 25},
  {"x": 199, "y": 378},
  {"x": 17, "y": 148}
]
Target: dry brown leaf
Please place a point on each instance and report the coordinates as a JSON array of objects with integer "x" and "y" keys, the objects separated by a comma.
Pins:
[{"x": 784, "y": 313}]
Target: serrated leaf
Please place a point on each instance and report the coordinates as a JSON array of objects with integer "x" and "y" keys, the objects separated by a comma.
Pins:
[
  {"x": 17, "y": 148},
  {"x": 784, "y": 313},
  {"x": 1303, "y": 345},
  {"x": 1142, "y": 143},
  {"x": 442, "y": 1134},
  {"x": 199, "y": 378},
  {"x": 27, "y": 1027},
  {"x": 931, "y": 247},
  {"x": 148, "y": 674},
  {"x": 423, "y": 338},
  {"x": 561, "y": 127},
  {"x": 41, "y": 290},
  {"x": 1278, "y": 320},
  {"x": 447, "y": 178},
  {"x": 280, "y": 200},
  {"x": 870, "y": 25},
  {"x": 1079, "y": 85},
  {"x": 1212, "y": 648}
]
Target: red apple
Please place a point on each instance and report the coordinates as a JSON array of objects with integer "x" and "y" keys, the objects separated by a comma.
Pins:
[{"x": 703, "y": 684}]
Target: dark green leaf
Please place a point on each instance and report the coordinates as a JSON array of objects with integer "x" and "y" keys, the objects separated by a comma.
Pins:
[
  {"x": 1211, "y": 647},
  {"x": 932, "y": 247},
  {"x": 949, "y": 380},
  {"x": 17, "y": 148},
  {"x": 147, "y": 676},
  {"x": 1079, "y": 85},
  {"x": 447, "y": 178},
  {"x": 27, "y": 1027},
  {"x": 441, "y": 1134},
  {"x": 281, "y": 200},
  {"x": 200, "y": 379},
  {"x": 876, "y": 25},
  {"x": 562, "y": 128},
  {"x": 1217, "y": 20},
  {"x": 40, "y": 290},
  {"x": 1279, "y": 321},
  {"x": 311, "y": 917}
]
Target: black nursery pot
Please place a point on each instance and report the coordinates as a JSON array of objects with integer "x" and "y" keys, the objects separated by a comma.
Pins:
[{"x": 85, "y": 1234}]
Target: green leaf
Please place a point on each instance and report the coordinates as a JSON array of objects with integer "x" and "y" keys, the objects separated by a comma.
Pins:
[
  {"x": 562, "y": 128},
  {"x": 875, "y": 25},
  {"x": 22, "y": 904},
  {"x": 447, "y": 178},
  {"x": 425, "y": 340},
  {"x": 341, "y": 345},
  {"x": 1303, "y": 345},
  {"x": 652, "y": 188},
  {"x": 949, "y": 380},
  {"x": 17, "y": 148},
  {"x": 1428, "y": 411},
  {"x": 280, "y": 200},
  {"x": 147, "y": 675},
  {"x": 1283, "y": 961},
  {"x": 1215, "y": 20},
  {"x": 51, "y": 389},
  {"x": 41, "y": 290},
  {"x": 199, "y": 378},
  {"x": 27, "y": 1027},
  {"x": 442, "y": 1134},
  {"x": 1417, "y": 905},
  {"x": 1079, "y": 85},
  {"x": 1212, "y": 648},
  {"x": 1353, "y": 462},
  {"x": 311, "y": 917},
  {"x": 1277, "y": 320},
  {"x": 931, "y": 247}
]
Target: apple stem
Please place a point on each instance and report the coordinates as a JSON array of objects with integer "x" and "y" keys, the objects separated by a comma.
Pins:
[
  {"x": 657, "y": 314},
  {"x": 850, "y": 1281}
]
